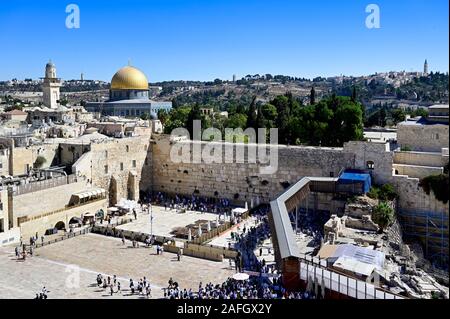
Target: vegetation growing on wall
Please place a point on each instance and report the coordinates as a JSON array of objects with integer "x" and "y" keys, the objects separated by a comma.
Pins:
[
  {"x": 438, "y": 184},
  {"x": 383, "y": 193}
]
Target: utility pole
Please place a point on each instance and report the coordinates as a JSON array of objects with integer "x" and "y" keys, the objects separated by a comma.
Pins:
[{"x": 151, "y": 220}]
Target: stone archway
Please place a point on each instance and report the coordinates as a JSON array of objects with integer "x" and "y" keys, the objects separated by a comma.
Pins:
[{"x": 60, "y": 225}]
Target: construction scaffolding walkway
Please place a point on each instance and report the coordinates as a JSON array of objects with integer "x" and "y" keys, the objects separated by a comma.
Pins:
[
  {"x": 298, "y": 269},
  {"x": 431, "y": 228}
]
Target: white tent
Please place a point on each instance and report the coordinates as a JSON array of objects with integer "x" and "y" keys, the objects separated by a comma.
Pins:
[{"x": 240, "y": 276}]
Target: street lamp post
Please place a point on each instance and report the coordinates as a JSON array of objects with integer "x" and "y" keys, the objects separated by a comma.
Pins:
[{"x": 151, "y": 220}]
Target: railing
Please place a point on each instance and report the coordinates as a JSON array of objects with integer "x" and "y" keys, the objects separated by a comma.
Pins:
[
  {"x": 217, "y": 231},
  {"x": 316, "y": 270},
  {"x": 25, "y": 219},
  {"x": 45, "y": 184},
  {"x": 67, "y": 235}
]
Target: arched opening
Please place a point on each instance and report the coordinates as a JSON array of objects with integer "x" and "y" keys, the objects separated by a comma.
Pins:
[
  {"x": 75, "y": 221},
  {"x": 60, "y": 225},
  {"x": 370, "y": 165}
]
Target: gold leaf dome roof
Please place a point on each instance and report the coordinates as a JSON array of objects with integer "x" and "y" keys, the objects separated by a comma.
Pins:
[{"x": 129, "y": 78}]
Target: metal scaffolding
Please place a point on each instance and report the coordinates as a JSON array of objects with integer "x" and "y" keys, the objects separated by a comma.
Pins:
[{"x": 431, "y": 228}]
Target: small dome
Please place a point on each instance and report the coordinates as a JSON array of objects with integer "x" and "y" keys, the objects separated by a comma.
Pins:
[{"x": 129, "y": 78}]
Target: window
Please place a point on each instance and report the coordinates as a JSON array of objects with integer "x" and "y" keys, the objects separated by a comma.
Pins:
[
  {"x": 133, "y": 163},
  {"x": 331, "y": 174},
  {"x": 128, "y": 148},
  {"x": 370, "y": 165},
  {"x": 106, "y": 169},
  {"x": 121, "y": 166},
  {"x": 106, "y": 154}
]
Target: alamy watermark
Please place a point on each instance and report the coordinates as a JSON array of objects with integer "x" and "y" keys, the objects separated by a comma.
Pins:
[
  {"x": 241, "y": 146},
  {"x": 373, "y": 19},
  {"x": 73, "y": 17}
]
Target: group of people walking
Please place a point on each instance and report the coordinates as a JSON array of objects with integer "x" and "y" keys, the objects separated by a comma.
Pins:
[{"x": 113, "y": 285}]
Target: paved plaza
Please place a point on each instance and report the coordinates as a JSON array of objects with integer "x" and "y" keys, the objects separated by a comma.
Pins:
[
  {"x": 164, "y": 221},
  {"x": 52, "y": 266}
]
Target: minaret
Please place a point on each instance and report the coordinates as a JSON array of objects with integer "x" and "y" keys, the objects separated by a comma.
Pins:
[
  {"x": 425, "y": 68},
  {"x": 51, "y": 86}
]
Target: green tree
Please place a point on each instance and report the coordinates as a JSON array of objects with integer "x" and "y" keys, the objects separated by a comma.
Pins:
[
  {"x": 383, "y": 215},
  {"x": 163, "y": 115},
  {"x": 398, "y": 115},
  {"x": 270, "y": 114},
  {"x": 194, "y": 114},
  {"x": 252, "y": 114},
  {"x": 312, "y": 96},
  {"x": 237, "y": 120}
]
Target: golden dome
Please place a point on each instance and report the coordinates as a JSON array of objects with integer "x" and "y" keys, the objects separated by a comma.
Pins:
[{"x": 129, "y": 78}]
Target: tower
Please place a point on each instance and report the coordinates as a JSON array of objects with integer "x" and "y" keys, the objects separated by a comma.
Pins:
[
  {"x": 50, "y": 87},
  {"x": 425, "y": 68}
]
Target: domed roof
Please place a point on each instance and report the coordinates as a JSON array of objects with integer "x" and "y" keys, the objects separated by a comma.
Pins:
[{"x": 129, "y": 78}]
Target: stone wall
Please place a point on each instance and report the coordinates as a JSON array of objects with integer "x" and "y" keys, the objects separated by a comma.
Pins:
[
  {"x": 436, "y": 159},
  {"x": 376, "y": 154},
  {"x": 122, "y": 167},
  {"x": 412, "y": 198},
  {"x": 40, "y": 225},
  {"x": 22, "y": 158},
  {"x": 4, "y": 161},
  {"x": 51, "y": 199},
  {"x": 242, "y": 181},
  {"x": 423, "y": 138},
  {"x": 416, "y": 171}
]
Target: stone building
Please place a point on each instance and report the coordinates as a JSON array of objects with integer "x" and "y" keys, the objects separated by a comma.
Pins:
[
  {"x": 50, "y": 87},
  {"x": 129, "y": 96},
  {"x": 425, "y": 134}
]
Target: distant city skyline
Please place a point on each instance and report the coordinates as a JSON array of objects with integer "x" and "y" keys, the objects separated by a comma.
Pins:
[{"x": 204, "y": 40}]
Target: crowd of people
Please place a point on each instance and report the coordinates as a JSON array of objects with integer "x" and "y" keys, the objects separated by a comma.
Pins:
[
  {"x": 253, "y": 288},
  {"x": 310, "y": 223},
  {"x": 193, "y": 203},
  {"x": 250, "y": 238},
  {"x": 43, "y": 294},
  {"x": 113, "y": 286}
]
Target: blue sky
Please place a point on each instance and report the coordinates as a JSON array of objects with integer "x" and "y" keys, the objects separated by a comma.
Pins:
[{"x": 208, "y": 39}]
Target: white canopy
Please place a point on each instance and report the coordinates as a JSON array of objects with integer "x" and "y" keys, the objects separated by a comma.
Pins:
[
  {"x": 239, "y": 211},
  {"x": 240, "y": 276}
]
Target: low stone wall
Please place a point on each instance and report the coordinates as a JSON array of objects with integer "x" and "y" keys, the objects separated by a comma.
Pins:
[
  {"x": 420, "y": 158},
  {"x": 210, "y": 249},
  {"x": 30, "y": 227},
  {"x": 193, "y": 252},
  {"x": 213, "y": 233},
  {"x": 416, "y": 171},
  {"x": 11, "y": 236}
]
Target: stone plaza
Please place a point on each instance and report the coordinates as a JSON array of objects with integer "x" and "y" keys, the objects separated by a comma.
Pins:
[{"x": 59, "y": 266}]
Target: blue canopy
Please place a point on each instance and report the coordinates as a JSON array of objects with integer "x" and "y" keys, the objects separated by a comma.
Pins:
[{"x": 354, "y": 178}]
